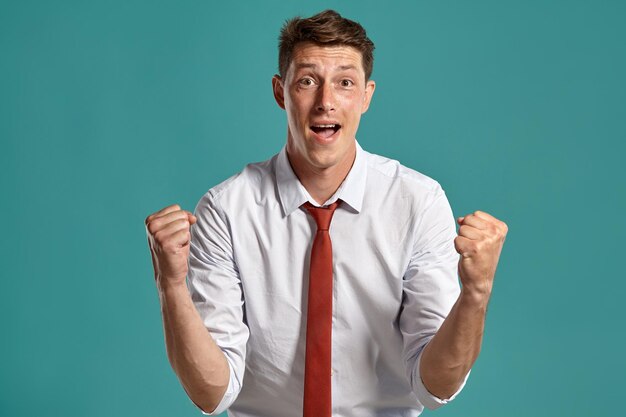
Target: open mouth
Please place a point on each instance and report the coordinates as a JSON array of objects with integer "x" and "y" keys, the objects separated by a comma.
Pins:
[{"x": 326, "y": 130}]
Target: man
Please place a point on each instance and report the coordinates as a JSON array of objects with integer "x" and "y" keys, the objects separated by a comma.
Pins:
[{"x": 271, "y": 309}]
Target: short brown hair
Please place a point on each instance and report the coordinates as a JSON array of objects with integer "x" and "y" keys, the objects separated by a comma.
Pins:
[{"x": 327, "y": 28}]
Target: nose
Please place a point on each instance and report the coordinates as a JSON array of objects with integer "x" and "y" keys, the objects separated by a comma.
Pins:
[{"x": 325, "y": 98}]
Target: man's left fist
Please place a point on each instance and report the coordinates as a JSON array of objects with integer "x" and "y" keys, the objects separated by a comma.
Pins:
[{"x": 479, "y": 242}]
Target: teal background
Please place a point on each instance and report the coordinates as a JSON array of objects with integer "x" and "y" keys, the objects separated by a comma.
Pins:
[{"x": 111, "y": 110}]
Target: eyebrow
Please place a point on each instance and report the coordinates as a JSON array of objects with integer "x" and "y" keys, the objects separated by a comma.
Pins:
[
  {"x": 311, "y": 65},
  {"x": 305, "y": 65}
]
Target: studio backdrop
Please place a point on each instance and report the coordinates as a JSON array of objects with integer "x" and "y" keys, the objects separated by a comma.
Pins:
[{"x": 110, "y": 110}]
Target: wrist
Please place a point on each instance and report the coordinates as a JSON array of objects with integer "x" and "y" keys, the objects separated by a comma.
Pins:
[
  {"x": 475, "y": 297},
  {"x": 169, "y": 284}
]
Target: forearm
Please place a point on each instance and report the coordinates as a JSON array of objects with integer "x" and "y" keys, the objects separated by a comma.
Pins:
[
  {"x": 195, "y": 357},
  {"x": 450, "y": 354}
]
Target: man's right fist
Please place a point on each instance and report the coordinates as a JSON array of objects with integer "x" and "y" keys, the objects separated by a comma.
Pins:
[{"x": 169, "y": 234}]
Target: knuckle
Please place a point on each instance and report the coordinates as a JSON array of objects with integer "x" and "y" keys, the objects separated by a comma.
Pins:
[
  {"x": 501, "y": 230},
  {"x": 159, "y": 237},
  {"x": 153, "y": 228}
]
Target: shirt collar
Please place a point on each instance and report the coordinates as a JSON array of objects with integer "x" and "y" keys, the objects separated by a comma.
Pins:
[{"x": 293, "y": 194}]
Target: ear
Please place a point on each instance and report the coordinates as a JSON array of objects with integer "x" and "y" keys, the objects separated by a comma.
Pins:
[
  {"x": 279, "y": 92},
  {"x": 370, "y": 86}
]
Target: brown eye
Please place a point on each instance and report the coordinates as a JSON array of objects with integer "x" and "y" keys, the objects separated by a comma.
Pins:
[{"x": 346, "y": 83}]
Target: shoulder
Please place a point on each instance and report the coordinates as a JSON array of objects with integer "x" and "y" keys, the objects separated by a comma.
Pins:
[
  {"x": 411, "y": 204},
  {"x": 248, "y": 185},
  {"x": 409, "y": 182},
  {"x": 250, "y": 177}
]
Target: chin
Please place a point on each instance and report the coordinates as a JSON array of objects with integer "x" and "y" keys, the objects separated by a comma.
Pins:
[{"x": 328, "y": 156}]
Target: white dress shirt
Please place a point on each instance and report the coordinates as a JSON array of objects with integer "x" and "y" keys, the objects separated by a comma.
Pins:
[{"x": 394, "y": 282}]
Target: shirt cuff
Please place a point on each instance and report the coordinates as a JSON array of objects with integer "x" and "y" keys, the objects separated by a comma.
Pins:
[
  {"x": 427, "y": 399},
  {"x": 229, "y": 395}
]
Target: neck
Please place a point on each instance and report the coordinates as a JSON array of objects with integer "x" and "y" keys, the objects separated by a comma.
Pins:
[{"x": 322, "y": 183}]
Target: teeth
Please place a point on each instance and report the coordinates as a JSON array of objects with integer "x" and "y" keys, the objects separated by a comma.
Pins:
[{"x": 325, "y": 126}]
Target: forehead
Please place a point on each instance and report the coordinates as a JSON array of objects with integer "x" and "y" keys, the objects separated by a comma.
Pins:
[{"x": 336, "y": 57}]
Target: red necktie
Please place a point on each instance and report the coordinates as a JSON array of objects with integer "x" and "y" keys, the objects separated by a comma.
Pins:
[{"x": 317, "y": 394}]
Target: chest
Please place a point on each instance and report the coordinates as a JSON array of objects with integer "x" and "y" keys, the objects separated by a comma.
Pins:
[{"x": 370, "y": 257}]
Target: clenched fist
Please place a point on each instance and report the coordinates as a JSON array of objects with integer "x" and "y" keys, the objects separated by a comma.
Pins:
[
  {"x": 479, "y": 242},
  {"x": 169, "y": 234}
]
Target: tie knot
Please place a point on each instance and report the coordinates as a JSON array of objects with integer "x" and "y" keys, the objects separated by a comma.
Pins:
[{"x": 322, "y": 215}]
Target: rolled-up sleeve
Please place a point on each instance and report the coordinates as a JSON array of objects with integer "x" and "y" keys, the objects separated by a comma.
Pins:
[
  {"x": 215, "y": 288},
  {"x": 430, "y": 287}
]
